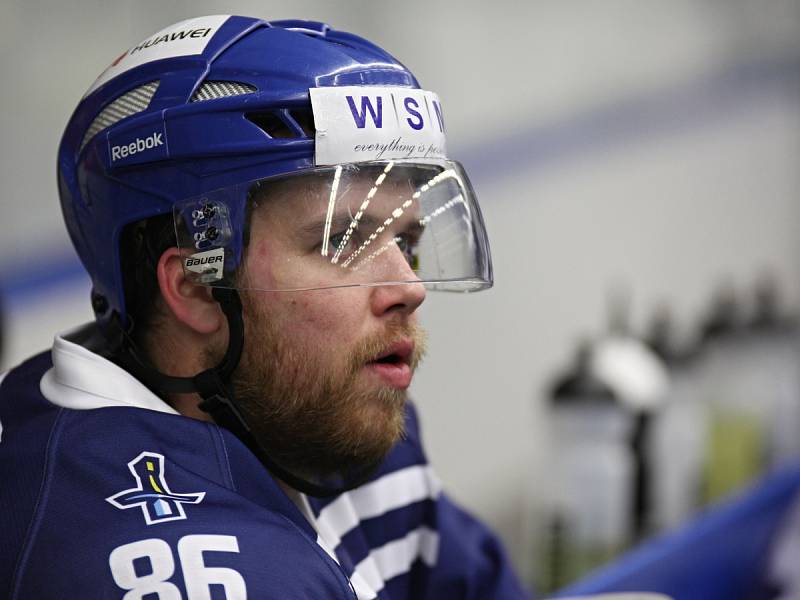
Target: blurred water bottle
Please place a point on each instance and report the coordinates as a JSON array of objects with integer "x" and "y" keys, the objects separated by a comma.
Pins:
[
  {"x": 680, "y": 429},
  {"x": 739, "y": 409},
  {"x": 588, "y": 517},
  {"x": 775, "y": 355},
  {"x": 639, "y": 380}
]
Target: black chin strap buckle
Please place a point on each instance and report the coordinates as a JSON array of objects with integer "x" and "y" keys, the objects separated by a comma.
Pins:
[{"x": 217, "y": 402}]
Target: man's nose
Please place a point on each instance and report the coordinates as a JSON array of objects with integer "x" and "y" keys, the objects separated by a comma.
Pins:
[{"x": 402, "y": 298}]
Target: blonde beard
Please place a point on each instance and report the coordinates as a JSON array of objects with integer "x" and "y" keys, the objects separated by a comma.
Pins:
[{"x": 313, "y": 415}]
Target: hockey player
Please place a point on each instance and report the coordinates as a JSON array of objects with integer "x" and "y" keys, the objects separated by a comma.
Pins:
[{"x": 261, "y": 207}]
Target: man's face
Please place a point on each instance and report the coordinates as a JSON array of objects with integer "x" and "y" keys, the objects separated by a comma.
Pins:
[{"x": 324, "y": 373}]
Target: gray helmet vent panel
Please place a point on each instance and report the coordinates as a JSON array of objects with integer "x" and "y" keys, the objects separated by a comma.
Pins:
[
  {"x": 128, "y": 104},
  {"x": 211, "y": 90}
]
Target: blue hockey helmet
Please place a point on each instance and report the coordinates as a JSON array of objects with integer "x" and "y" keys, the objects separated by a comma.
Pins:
[{"x": 207, "y": 118}]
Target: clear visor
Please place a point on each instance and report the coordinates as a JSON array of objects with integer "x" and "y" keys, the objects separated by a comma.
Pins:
[{"x": 366, "y": 224}]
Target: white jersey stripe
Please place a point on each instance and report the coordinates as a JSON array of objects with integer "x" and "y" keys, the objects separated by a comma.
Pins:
[
  {"x": 328, "y": 550},
  {"x": 364, "y": 591},
  {"x": 396, "y": 557},
  {"x": 392, "y": 491},
  {"x": 368, "y": 570}
]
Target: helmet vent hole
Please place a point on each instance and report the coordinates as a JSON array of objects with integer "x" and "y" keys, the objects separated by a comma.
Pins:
[
  {"x": 272, "y": 124},
  {"x": 304, "y": 120},
  {"x": 211, "y": 90},
  {"x": 130, "y": 103}
]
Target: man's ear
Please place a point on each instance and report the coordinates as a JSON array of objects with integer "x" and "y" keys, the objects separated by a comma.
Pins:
[{"x": 191, "y": 304}]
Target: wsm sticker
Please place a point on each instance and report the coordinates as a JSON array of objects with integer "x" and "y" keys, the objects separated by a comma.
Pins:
[{"x": 362, "y": 123}]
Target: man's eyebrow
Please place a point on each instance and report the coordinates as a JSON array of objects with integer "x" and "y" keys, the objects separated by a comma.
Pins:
[{"x": 338, "y": 224}]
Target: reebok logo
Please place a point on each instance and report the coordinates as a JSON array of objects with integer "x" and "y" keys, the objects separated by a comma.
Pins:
[{"x": 136, "y": 146}]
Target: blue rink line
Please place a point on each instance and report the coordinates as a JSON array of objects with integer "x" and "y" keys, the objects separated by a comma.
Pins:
[
  {"x": 44, "y": 275},
  {"x": 532, "y": 149},
  {"x": 687, "y": 107}
]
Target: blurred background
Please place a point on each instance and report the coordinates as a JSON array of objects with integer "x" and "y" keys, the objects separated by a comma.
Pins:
[{"x": 638, "y": 164}]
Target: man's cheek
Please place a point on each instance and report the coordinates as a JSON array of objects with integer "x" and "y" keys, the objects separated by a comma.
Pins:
[{"x": 329, "y": 313}]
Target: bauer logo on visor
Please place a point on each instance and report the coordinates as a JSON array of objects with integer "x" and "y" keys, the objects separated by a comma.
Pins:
[
  {"x": 366, "y": 123},
  {"x": 208, "y": 265}
]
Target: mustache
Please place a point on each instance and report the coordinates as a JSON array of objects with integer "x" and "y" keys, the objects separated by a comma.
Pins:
[{"x": 367, "y": 349}]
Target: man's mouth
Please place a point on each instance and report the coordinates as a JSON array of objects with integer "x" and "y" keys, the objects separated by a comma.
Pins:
[{"x": 393, "y": 365}]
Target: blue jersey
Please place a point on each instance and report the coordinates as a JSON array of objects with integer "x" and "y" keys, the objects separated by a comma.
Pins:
[{"x": 107, "y": 493}]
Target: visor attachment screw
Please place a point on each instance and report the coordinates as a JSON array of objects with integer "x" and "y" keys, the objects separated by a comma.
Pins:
[{"x": 212, "y": 233}]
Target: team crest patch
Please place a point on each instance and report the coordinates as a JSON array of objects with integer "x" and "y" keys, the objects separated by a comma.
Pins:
[{"x": 152, "y": 494}]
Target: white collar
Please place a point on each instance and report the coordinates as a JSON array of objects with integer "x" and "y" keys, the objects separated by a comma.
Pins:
[{"x": 82, "y": 380}]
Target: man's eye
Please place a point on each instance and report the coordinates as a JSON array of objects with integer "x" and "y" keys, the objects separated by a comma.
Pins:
[
  {"x": 336, "y": 240},
  {"x": 339, "y": 243},
  {"x": 408, "y": 246}
]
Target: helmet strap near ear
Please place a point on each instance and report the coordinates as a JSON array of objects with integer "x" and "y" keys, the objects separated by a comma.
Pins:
[
  {"x": 213, "y": 386},
  {"x": 216, "y": 378}
]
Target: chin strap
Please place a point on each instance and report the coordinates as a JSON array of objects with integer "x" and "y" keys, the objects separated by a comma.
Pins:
[
  {"x": 209, "y": 382},
  {"x": 213, "y": 386}
]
